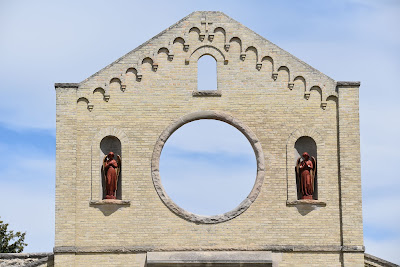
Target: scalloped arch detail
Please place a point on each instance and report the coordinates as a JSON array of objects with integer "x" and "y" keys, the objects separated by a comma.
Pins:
[{"x": 219, "y": 55}]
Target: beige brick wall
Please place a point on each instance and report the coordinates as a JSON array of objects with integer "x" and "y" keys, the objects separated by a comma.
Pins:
[{"x": 143, "y": 109}]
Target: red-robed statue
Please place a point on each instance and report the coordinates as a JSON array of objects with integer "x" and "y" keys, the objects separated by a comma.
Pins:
[
  {"x": 306, "y": 169},
  {"x": 111, "y": 170}
]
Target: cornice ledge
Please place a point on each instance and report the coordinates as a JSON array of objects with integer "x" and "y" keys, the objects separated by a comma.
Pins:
[
  {"x": 142, "y": 249},
  {"x": 348, "y": 83},
  {"x": 66, "y": 85}
]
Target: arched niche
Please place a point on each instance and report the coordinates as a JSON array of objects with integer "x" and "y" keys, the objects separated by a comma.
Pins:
[
  {"x": 306, "y": 144},
  {"x": 110, "y": 144},
  {"x": 109, "y": 139},
  {"x": 311, "y": 141}
]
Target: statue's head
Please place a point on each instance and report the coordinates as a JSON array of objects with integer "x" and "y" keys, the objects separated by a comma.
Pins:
[
  {"x": 110, "y": 155},
  {"x": 306, "y": 156}
]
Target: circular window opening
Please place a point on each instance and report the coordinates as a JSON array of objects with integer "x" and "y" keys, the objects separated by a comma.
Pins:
[
  {"x": 205, "y": 170},
  {"x": 208, "y": 167}
]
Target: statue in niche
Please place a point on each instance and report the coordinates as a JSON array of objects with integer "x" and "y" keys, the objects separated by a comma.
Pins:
[
  {"x": 111, "y": 170},
  {"x": 306, "y": 169}
]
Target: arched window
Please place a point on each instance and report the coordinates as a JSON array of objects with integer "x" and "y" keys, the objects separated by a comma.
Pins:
[
  {"x": 307, "y": 144},
  {"x": 110, "y": 144},
  {"x": 206, "y": 73}
]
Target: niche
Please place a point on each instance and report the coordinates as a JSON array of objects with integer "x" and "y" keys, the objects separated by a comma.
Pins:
[
  {"x": 306, "y": 144},
  {"x": 110, "y": 144}
]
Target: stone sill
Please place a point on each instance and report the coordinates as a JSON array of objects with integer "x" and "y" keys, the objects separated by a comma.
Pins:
[
  {"x": 110, "y": 202},
  {"x": 306, "y": 202},
  {"x": 207, "y": 93}
]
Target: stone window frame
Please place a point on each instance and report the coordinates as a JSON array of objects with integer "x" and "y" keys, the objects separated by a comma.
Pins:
[
  {"x": 96, "y": 185},
  {"x": 224, "y": 117},
  {"x": 220, "y": 60},
  {"x": 292, "y": 199}
]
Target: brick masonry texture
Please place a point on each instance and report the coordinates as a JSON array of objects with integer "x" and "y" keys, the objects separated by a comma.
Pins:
[{"x": 277, "y": 96}]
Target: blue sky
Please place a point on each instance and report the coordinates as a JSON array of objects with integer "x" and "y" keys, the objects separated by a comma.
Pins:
[{"x": 43, "y": 42}]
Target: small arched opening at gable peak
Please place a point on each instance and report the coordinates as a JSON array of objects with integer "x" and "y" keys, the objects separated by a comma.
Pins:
[{"x": 206, "y": 73}]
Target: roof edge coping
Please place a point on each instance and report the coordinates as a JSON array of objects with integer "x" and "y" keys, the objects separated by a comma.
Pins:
[
  {"x": 348, "y": 83},
  {"x": 66, "y": 85}
]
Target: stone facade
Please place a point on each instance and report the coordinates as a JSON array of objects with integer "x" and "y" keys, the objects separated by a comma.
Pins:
[
  {"x": 27, "y": 259},
  {"x": 264, "y": 92}
]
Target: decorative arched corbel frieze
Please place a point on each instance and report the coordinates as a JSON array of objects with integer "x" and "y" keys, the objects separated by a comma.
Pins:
[
  {"x": 239, "y": 41},
  {"x": 139, "y": 69},
  {"x": 324, "y": 96},
  {"x": 222, "y": 30},
  {"x": 185, "y": 38},
  {"x": 254, "y": 49},
  {"x": 207, "y": 50},
  {"x": 332, "y": 97},
  {"x": 286, "y": 69},
  {"x": 134, "y": 71},
  {"x": 167, "y": 51},
  {"x": 89, "y": 106},
  {"x": 118, "y": 80},
  {"x": 299, "y": 78},
  {"x": 154, "y": 57},
  {"x": 313, "y": 87},
  {"x": 197, "y": 31},
  {"x": 257, "y": 51},
  {"x": 150, "y": 59},
  {"x": 170, "y": 51},
  {"x": 102, "y": 92},
  {"x": 212, "y": 29},
  {"x": 267, "y": 60},
  {"x": 242, "y": 51},
  {"x": 291, "y": 163},
  {"x": 228, "y": 38}
]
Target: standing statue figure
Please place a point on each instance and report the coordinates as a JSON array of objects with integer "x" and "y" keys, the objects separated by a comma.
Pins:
[
  {"x": 111, "y": 170},
  {"x": 306, "y": 169}
]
